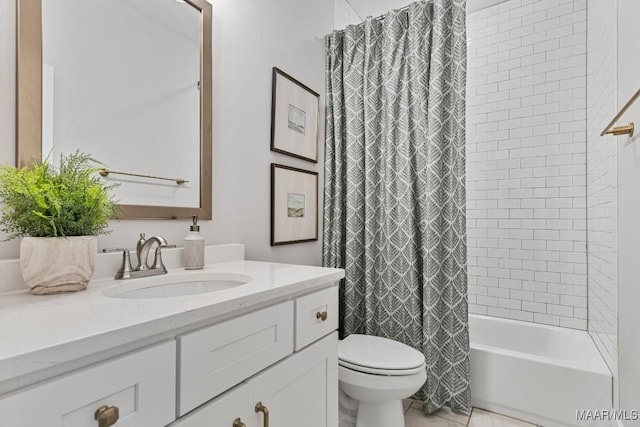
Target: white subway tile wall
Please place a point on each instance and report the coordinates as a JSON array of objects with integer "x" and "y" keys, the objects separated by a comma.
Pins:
[
  {"x": 526, "y": 161},
  {"x": 602, "y": 180}
]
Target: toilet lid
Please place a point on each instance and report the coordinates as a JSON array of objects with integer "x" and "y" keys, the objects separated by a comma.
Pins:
[{"x": 378, "y": 353}]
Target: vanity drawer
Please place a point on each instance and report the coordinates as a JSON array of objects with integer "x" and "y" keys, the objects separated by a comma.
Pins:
[
  {"x": 316, "y": 316},
  {"x": 221, "y": 411},
  {"x": 141, "y": 385},
  {"x": 218, "y": 357}
]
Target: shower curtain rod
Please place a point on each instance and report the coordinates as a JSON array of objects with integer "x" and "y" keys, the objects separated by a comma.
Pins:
[{"x": 402, "y": 9}]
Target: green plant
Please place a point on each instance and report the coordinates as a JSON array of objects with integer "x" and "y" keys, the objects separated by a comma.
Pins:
[{"x": 42, "y": 201}]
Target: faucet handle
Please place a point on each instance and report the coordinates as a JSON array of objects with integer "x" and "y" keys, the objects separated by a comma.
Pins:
[
  {"x": 157, "y": 259},
  {"x": 124, "y": 272}
]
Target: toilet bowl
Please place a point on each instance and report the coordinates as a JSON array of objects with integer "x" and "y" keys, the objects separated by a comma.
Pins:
[{"x": 378, "y": 373}]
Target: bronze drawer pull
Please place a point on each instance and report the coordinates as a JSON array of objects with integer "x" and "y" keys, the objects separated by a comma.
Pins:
[
  {"x": 238, "y": 423},
  {"x": 322, "y": 316},
  {"x": 265, "y": 413}
]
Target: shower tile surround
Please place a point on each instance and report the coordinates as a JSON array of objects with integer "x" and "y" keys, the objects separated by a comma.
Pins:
[
  {"x": 602, "y": 181},
  {"x": 526, "y": 154}
]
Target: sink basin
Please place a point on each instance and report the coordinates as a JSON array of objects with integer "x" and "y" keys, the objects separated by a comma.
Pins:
[{"x": 168, "y": 287}]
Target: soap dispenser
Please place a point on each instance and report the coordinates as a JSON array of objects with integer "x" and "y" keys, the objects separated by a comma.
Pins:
[{"x": 193, "y": 252}]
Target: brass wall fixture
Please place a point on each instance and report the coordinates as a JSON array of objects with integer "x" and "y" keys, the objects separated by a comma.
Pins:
[
  {"x": 621, "y": 130},
  {"x": 107, "y": 415},
  {"x": 107, "y": 172},
  {"x": 265, "y": 413},
  {"x": 322, "y": 316}
]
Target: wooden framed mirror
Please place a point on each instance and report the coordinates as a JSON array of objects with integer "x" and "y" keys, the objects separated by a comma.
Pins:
[{"x": 173, "y": 118}]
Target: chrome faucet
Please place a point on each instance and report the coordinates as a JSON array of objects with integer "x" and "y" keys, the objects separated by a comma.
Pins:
[
  {"x": 142, "y": 251},
  {"x": 143, "y": 269}
]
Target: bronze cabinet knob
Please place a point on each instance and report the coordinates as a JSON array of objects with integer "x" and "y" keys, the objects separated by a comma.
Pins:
[
  {"x": 107, "y": 415},
  {"x": 322, "y": 316}
]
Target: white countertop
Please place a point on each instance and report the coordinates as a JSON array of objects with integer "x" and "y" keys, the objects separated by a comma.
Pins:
[{"x": 37, "y": 332}]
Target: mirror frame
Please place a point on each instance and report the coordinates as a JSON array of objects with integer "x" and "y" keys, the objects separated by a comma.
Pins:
[{"x": 29, "y": 106}]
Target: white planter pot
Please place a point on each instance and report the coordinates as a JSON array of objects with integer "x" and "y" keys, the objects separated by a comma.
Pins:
[{"x": 52, "y": 265}]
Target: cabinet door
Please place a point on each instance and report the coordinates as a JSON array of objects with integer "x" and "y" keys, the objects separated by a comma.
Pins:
[
  {"x": 218, "y": 357},
  {"x": 302, "y": 390},
  {"x": 141, "y": 385},
  {"x": 221, "y": 411}
]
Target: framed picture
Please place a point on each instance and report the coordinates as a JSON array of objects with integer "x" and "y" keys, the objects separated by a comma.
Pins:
[
  {"x": 294, "y": 117},
  {"x": 294, "y": 205}
]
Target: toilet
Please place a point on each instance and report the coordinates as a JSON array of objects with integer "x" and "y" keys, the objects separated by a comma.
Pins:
[{"x": 375, "y": 374}]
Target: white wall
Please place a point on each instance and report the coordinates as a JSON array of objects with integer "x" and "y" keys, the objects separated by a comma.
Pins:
[
  {"x": 613, "y": 173},
  {"x": 355, "y": 11},
  {"x": 526, "y": 161},
  {"x": 249, "y": 38},
  {"x": 602, "y": 183},
  {"x": 344, "y": 15},
  {"x": 629, "y": 210}
]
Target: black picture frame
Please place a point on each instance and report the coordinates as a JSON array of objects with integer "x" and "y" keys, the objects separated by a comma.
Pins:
[
  {"x": 289, "y": 122},
  {"x": 296, "y": 219}
]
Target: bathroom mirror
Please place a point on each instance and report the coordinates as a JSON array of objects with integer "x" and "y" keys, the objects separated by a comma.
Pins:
[{"x": 129, "y": 82}]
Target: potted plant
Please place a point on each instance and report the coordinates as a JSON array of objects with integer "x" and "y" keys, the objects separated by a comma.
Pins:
[{"x": 58, "y": 212}]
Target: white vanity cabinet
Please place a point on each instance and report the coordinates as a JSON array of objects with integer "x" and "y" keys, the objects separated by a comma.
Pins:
[
  {"x": 141, "y": 385},
  {"x": 276, "y": 365},
  {"x": 229, "y": 410},
  {"x": 218, "y": 357},
  {"x": 301, "y": 390}
]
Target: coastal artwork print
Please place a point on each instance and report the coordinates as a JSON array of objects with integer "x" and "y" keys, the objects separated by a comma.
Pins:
[
  {"x": 295, "y": 205},
  {"x": 294, "y": 117}
]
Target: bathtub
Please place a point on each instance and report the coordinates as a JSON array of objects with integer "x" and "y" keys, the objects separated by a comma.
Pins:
[{"x": 541, "y": 374}]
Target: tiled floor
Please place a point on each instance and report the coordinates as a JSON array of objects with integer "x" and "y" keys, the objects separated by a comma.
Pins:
[{"x": 414, "y": 417}]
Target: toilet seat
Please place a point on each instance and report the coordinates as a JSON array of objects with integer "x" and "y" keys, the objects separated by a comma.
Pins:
[
  {"x": 379, "y": 356},
  {"x": 385, "y": 372}
]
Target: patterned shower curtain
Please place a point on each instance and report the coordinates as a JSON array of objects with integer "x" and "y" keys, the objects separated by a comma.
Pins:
[{"x": 394, "y": 215}]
